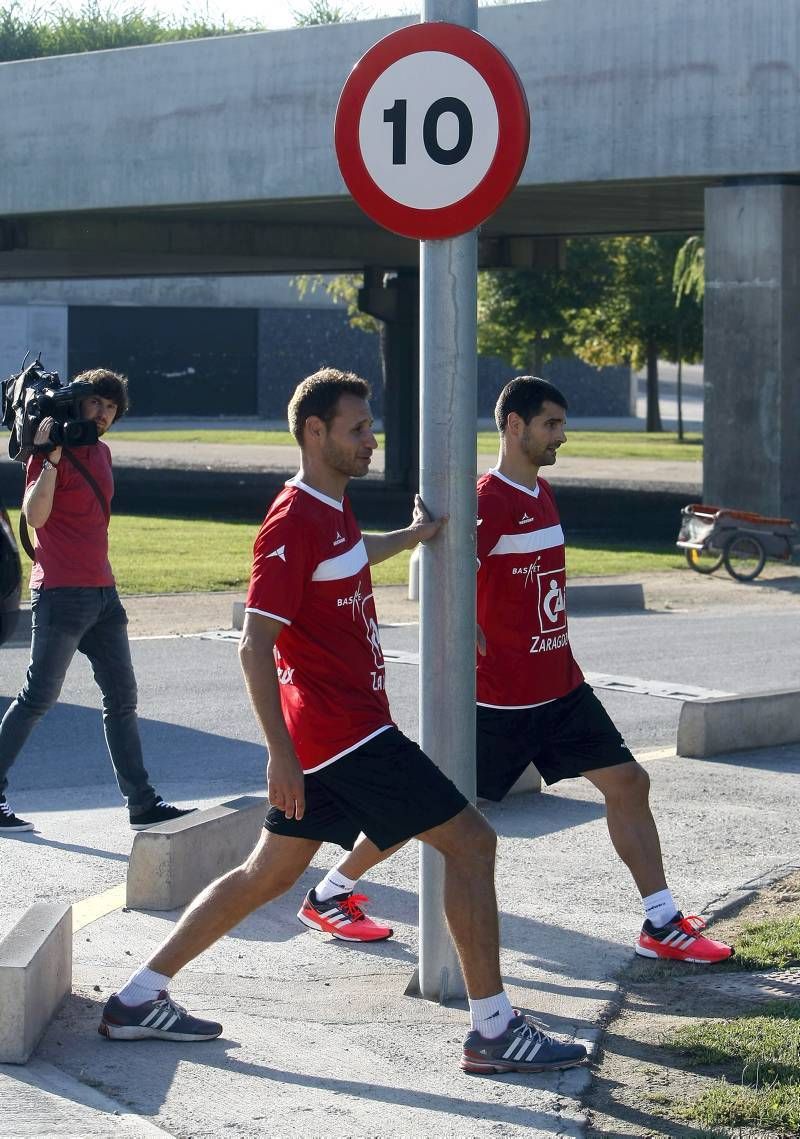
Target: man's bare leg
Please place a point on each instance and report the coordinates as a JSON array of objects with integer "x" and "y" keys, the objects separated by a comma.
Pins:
[
  {"x": 626, "y": 789},
  {"x": 270, "y": 870},
  {"x": 467, "y": 844}
]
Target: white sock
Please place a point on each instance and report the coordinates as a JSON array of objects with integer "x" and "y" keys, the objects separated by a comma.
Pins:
[
  {"x": 491, "y": 1016},
  {"x": 143, "y": 985},
  {"x": 659, "y": 908},
  {"x": 334, "y": 883}
]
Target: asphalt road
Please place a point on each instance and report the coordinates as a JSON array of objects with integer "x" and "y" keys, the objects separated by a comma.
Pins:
[{"x": 202, "y": 745}]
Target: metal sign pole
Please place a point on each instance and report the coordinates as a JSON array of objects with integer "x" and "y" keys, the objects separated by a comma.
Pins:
[{"x": 448, "y": 416}]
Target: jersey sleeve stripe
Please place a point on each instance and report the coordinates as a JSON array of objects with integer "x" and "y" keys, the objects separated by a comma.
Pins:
[
  {"x": 343, "y": 566},
  {"x": 530, "y": 542},
  {"x": 266, "y": 613}
]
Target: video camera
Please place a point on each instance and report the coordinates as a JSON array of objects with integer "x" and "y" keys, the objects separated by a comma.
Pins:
[{"x": 30, "y": 396}]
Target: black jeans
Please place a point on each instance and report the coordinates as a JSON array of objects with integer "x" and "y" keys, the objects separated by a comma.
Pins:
[{"x": 90, "y": 620}]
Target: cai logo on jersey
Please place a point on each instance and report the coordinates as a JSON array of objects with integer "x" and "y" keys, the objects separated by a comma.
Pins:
[{"x": 552, "y": 600}]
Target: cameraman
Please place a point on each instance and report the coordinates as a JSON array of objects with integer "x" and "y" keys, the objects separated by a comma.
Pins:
[{"x": 74, "y": 604}]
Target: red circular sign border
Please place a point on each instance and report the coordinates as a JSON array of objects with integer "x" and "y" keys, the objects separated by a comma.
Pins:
[{"x": 512, "y": 142}]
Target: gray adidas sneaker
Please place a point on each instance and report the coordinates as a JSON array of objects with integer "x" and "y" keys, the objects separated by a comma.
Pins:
[
  {"x": 161, "y": 1019},
  {"x": 523, "y": 1047}
]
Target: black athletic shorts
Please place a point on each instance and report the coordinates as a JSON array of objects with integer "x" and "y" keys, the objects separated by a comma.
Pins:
[
  {"x": 562, "y": 739},
  {"x": 388, "y": 788}
]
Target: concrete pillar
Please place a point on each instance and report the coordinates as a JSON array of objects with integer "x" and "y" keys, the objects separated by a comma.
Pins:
[
  {"x": 395, "y": 302},
  {"x": 33, "y": 329},
  {"x": 752, "y": 347}
]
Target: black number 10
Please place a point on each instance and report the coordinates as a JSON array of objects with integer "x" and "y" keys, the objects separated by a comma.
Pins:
[{"x": 396, "y": 115}]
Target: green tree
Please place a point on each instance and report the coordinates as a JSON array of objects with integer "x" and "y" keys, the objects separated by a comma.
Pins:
[
  {"x": 343, "y": 289},
  {"x": 322, "y": 12},
  {"x": 95, "y": 27},
  {"x": 632, "y": 317},
  {"x": 689, "y": 273},
  {"x": 521, "y": 315},
  {"x": 688, "y": 281}
]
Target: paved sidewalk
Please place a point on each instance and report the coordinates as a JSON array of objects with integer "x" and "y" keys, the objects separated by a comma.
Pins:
[{"x": 319, "y": 1038}]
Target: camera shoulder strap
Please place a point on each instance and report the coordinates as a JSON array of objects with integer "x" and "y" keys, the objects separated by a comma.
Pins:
[
  {"x": 87, "y": 474},
  {"x": 24, "y": 536}
]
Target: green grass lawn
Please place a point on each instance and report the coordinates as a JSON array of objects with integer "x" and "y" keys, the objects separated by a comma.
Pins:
[
  {"x": 211, "y": 435},
  {"x": 178, "y": 555},
  {"x": 759, "y": 1050},
  {"x": 583, "y": 444}
]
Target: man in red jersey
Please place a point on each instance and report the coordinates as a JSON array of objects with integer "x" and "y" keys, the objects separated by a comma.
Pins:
[
  {"x": 74, "y": 603},
  {"x": 533, "y": 703},
  {"x": 337, "y": 764}
]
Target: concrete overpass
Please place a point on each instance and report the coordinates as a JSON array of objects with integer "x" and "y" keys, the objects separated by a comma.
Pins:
[{"x": 216, "y": 156}]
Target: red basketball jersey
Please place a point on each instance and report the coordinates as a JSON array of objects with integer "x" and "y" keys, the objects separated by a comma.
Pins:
[
  {"x": 522, "y": 596},
  {"x": 310, "y": 571}
]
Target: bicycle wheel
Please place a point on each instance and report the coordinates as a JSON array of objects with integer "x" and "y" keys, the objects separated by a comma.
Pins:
[
  {"x": 744, "y": 557},
  {"x": 706, "y": 560}
]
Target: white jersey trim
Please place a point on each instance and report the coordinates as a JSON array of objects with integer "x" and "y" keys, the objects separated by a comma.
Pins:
[
  {"x": 343, "y": 565},
  {"x": 517, "y": 486},
  {"x": 347, "y": 750},
  {"x": 529, "y": 542},
  {"x": 266, "y": 613},
  {"x": 298, "y": 482},
  {"x": 516, "y": 707}
]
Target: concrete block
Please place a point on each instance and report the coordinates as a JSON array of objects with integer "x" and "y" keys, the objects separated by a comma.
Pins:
[
  {"x": 604, "y": 598},
  {"x": 237, "y": 621},
  {"x": 171, "y": 863},
  {"x": 35, "y": 976},
  {"x": 736, "y": 723}
]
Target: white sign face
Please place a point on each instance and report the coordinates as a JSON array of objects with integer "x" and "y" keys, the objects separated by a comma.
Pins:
[{"x": 428, "y": 130}]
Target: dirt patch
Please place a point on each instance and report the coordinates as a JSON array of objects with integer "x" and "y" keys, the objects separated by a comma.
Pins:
[{"x": 638, "y": 1085}]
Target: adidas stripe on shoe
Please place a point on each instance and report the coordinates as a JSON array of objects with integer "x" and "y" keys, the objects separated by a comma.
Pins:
[
  {"x": 523, "y": 1047},
  {"x": 161, "y": 1019},
  {"x": 681, "y": 940},
  {"x": 342, "y": 917}
]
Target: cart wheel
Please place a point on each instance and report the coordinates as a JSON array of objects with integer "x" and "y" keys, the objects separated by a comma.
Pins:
[
  {"x": 744, "y": 557},
  {"x": 706, "y": 560}
]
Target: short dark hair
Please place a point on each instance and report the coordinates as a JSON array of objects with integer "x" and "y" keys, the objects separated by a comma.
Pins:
[
  {"x": 109, "y": 385},
  {"x": 525, "y": 395},
  {"x": 319, "y": 394}
]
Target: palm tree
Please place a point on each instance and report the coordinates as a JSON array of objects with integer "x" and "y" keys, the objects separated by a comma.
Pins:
[{"x": 688, "y": 280}]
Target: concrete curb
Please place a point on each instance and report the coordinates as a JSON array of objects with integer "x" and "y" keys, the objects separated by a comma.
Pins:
[
  {"x": 170, "y": 864},
  {"x": 730, "y": 903},
  {"x": 580, "y": 598},
  {"x": 35, "y": 976},
  {"x": 736, "y": 723},
  {"x": 604, "y": 598}
]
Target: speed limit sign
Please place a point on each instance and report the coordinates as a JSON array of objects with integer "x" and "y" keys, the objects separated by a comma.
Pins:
[{"x": 432, "y": 130}]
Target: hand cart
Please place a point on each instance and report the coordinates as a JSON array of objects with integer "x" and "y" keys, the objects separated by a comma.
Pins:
[{"x": 712, "y": 536}]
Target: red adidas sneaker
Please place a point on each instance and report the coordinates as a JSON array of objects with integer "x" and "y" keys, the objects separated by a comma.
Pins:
[
  {"x": 342, "y": 917},
  {"x": 680, "y": 940}
]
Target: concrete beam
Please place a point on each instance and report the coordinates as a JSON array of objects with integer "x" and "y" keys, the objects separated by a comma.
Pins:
[
  {"x": 620, "y": 91},
  {"x": 738, "y": 723},
  {"x": 170, "y": 864},
  {"x": 35, "y": 976}
]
